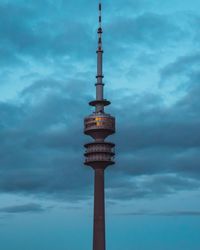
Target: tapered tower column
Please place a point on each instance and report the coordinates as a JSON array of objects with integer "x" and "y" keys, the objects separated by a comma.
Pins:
[{"x": 99, "y": 211}]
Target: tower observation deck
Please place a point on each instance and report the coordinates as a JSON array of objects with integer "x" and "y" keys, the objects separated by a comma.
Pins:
[{"x": 99, "y": 154}]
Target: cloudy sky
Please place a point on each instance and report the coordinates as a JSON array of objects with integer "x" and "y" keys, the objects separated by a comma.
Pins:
[{"x": 152, "y": 77}]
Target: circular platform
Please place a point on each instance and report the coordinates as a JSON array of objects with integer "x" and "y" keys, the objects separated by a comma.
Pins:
[{"x": 99, "y": 102}]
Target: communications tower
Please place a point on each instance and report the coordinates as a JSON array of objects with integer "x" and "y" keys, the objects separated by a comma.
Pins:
[{"x": 99, "y": 154}]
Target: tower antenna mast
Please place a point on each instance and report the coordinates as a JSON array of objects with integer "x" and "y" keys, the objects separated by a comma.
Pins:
[{"x": 99, "y": 84}]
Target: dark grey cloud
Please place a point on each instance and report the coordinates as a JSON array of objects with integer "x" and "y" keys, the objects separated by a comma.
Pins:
[
  {"x": 181, "y": 213},
  {"x": 45, "y": 31},
  {"x": 26, "y": 208},
  {"x": 140, "y": 40},
  {"x": 148, "y": 29},
  {"x": 170, "y": 213},
  {"x": 182, "y": 66},
  {"x": 148, "y": 186},
  {"x": 194, "y": 24},
  {"x": 40, "y": 150},
  {"x": 28, "y": 32},
  {"x": 10, "y": 114}
]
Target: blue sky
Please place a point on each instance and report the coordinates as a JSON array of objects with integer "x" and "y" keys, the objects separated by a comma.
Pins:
[{"x": 152, "y": 78}]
